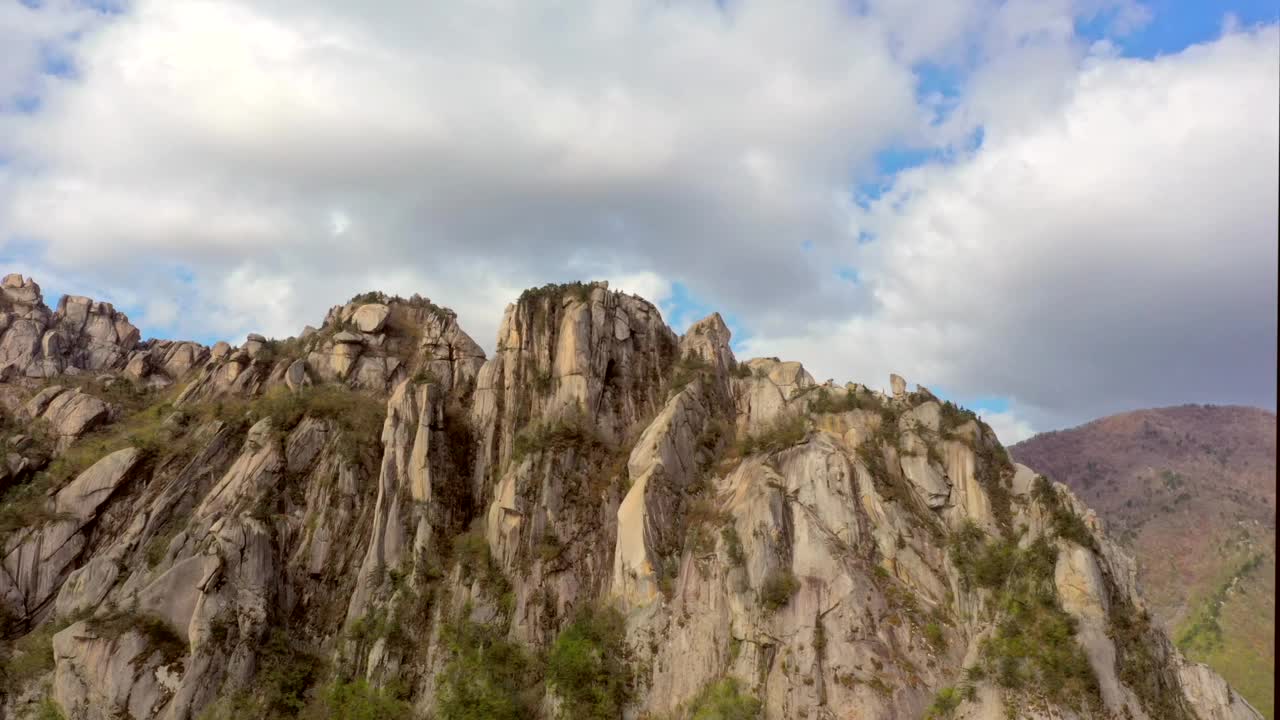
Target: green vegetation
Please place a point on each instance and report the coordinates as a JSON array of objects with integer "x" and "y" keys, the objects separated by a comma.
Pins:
[
  {"x": 570, "y": 431},
  {"x": 287, "y": 685},
  {"x": 487, "y": 677},
  {"x": 688, "y": 368},
  {"x": 1066, "y": 524},
  {"x": 1139, "y": 665},
  {"x": 471, "y": 551},
  {"x": 953, "y": 416},
  {"x": 48, "y": 709},
  {"x": 934, "y": 636},
  {"x": 357, "y": 416},
  {"x": 1245, "y": 655},
  {"x": 1202, "y": 633},
  {"x": 159, "y": 635},
  {"x": 827, "y": 402},
  {"x": 158, "y": 545},
  {"x": 945, "y": 704},
  {"x": 725, "y": 700},
  {"x": 871, "y": 453},
  {"x": 781, "y": 434},
  {"x": 779, "y": 586},
  {"x": 580, "y": 291},
  {"x": 356, "y": 700},
  {"x": 24, "y": 506},
  {"x": 378, "y": 624},
  {"x": 31, "y": 656},
  {"x": 733, "y": 545},
  {"x": 286, "y": 672},
  {"x": 128, "y": 395},
  {"x": 715, "y": 438},
  {"x": 587, "y": 666},
  {"x": 1033, "y": 648},
  {"x": 275, "y": 350},
  {"x": 364, "y": 298},
  {"x": 986, "y": 565}
]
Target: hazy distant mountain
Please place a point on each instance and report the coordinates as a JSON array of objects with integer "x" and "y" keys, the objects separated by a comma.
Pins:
[{"x": 1191, "y": 490}]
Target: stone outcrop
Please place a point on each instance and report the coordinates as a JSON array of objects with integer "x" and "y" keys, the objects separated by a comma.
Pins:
[
  {"x": 82, "y": 335},
  {"x": 69, "y": 413},
  {"x": 816, "y": 543},
  {"x": 372, "y": 346},
  {"x": 38, "y": 559}
]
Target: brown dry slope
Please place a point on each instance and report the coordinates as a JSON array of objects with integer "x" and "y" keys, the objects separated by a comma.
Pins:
[{"x": 1191, "y": 490}]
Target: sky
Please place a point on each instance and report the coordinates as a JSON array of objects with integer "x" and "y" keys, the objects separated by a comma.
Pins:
[{"x": 1047, "y": 210}]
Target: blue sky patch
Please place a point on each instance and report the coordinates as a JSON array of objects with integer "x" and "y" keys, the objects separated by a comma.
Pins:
[
  {"x": 1177, "y": 24},
  {"x": 56, "y": 62},
  {"x": 683, "y": 308},
  {"x": 888, "y": 163},
  {"x": 981, "y": 404}
]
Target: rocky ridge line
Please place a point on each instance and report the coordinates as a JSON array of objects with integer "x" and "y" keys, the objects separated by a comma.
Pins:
[{"x": 378, "y": 498}]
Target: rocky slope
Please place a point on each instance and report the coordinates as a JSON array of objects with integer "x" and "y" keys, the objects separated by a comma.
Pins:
[
  {"x": 1191, "y": 492},
  {"x": 602, "y": 520}
]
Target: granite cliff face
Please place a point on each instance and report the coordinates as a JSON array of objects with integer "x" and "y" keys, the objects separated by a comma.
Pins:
[
  {"x": 604, "y": 519},
  {"x": 1191, "y": 492}
]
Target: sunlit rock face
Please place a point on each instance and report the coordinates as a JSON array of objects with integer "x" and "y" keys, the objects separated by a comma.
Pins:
[{"x": 196, "y": 532}]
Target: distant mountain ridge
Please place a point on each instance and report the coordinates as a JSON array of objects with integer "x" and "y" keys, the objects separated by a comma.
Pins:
[
  {"x": 602, "y": 519},
  {"x": 1191, "y": 491}
]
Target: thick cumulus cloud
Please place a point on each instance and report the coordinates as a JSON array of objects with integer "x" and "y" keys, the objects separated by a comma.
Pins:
[
  {"x": 1117, "y": 250},
  {"x": 296, "y": 141},
  {"x": 231, "y": 166}
]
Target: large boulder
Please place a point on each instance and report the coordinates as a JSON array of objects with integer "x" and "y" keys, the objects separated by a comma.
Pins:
[
  {"x": 37, "y": 561},
  {"x": 83, "y": 497},
  {"x": 370, "y": 318},
  {"x": 82, "y": 334},
  {"x": 70, "y": 413}
]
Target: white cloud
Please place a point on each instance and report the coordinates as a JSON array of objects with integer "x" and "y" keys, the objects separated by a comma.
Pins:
[
  {"x": 32, "y": 38},
  {"x": 1009, "y": 428},
  {"x": 297, "y": 141},
  {"x": 1114, "y": 249},
  {"x": 290, "y": 154}
]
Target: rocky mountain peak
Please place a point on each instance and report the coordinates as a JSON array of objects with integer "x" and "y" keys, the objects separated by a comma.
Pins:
[
  {"x": 81, "y": 336},
  {"x": 200, "y": 532}
]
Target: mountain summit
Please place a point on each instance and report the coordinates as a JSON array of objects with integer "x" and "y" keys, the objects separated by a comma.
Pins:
[{"x": 602, "y": 520}]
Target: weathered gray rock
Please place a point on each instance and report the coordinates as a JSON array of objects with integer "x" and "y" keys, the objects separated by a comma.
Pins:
[
  {"x": 139, "y": 366},
  {"x": 296, "y": 376},
  {"x": 70, "y": 413},
  {"x": 38, "y": 560},
  {"x": 661, "y": 466},
  {"x": 17, "y": 291},
  {"x": 805, "y": 564},
  {"x": 899, "y": 385},
  {"x": 370, "y": 318},
  {"x": 103, "y": 678},
  {"x": 82, "y": 335},
  {"x": 1210, "y": 695},
  {"x": 20, "y": 344},
  {"x": 771, "y": 391},
  {"x": 83, "y": 497}
]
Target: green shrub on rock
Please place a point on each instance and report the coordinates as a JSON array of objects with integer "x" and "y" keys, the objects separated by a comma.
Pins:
[
  {"x": 725, "y": 700},
  {"x": 587, "y": 667},
  {"x": 777, "y": 590},
  {"x": 488, "y": 677}
]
